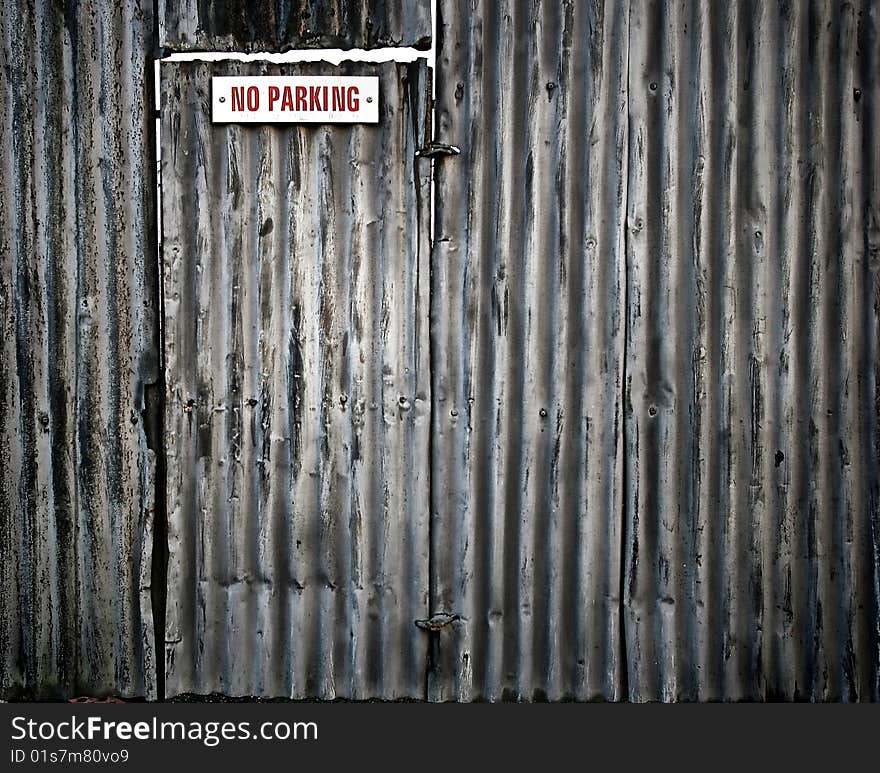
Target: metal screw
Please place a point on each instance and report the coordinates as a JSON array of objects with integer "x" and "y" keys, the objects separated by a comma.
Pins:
[
  {"x": 369, "y": 99},
  {"x": 222, "y": 99}
]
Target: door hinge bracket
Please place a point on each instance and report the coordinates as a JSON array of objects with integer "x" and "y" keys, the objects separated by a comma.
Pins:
[
  {"x": 434, "y": 149},
  {"x": 437, "y": 622}
]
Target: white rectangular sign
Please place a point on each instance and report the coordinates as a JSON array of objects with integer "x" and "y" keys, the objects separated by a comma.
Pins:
[{"x": 295, "y": 99}]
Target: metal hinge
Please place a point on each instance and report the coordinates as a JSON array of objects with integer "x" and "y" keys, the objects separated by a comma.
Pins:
[
  {"x": 436, "y": 622},
  {"x": 437, "y": 149}
]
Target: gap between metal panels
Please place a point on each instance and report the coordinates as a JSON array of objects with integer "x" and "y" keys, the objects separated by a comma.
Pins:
[
  {"x": 624, "y": 424},
  {"x": 155, "y": 398}
]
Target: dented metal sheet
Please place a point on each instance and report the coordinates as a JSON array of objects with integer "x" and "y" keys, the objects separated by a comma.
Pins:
[
  {"x": 528, "y": 339},
  {"x": 242, "y": 25},
  {"x": 78, "y": 273},
  {"x": 752, "y": 402},
  {"x": 296, "y": 296}
]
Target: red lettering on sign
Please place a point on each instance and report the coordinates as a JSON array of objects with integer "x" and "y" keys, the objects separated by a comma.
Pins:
[
  {"x": 353, "y": 101},
  {"x": 274, "y": 95},
  {"x": 315, "y": 98},
  {"x": 253, "y": 98},
  {"x": 294, "y": 98},
  {"x": 338, "y": 98},
  {"x": 238, "y": 97}
]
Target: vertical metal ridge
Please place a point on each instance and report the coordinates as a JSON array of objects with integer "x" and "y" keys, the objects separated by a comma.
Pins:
[
  {"x": 769, "y": 246},
  {"x": 572, "y": 497},
  {"x": 11, "y": 676},
  {"x": 869, "y": 94}
]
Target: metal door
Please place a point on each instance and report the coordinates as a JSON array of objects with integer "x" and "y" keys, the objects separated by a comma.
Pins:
[
  {"x": 529, "y": 333},
  {"x": 298, "y": 393}
]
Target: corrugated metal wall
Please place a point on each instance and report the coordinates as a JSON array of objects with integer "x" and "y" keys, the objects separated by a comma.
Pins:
[
  {"x": 752, "y": 444},
  {"x": 528, "y": 337},
  {"x": 729, "y": 446},
  {"x": 242, "y": 25},
  {"x": 621, "y": 426},
  {"x": 77, "y": 279},
  {"x": 296, "y": 299}
]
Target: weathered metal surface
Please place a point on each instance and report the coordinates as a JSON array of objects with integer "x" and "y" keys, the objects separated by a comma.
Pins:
[
  {"x": 652, "y": 458},
  {"x": 77, "y": 258},
  {"x": 752, "y": 442},
  {"x": 242, "y": 25},
  {"x": 296, "y": 296},
  {"x": 528, "y": 339},
  {"x": 729, "y": 450}
]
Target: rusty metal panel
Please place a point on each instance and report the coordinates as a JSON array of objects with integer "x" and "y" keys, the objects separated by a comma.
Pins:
[
  {"x": 528, "y": 338},
  {"x": 752, "y": 442},
  {"x": 77, "y": 273},
  {"x": 298, "y": 400},
  {"x": 241, "y": 25}
]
